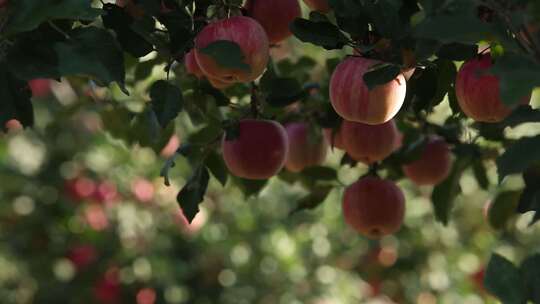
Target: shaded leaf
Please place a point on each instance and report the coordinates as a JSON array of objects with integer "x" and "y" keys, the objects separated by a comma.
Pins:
[
  {"x": 192, "y": 194},
  {"x": 167, "y": 101},
  {"x": 227, "y": 54},
  {"x": 503, "y": 280}
]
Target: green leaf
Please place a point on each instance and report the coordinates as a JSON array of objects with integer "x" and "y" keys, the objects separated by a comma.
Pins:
[
  {"x": 385, "y": 16},
  {"x": 518, "y": 156},
  {"x": 320, "y": 173},
  {"x": 26, "y": 15},
  {"x": 503, "y": 208},
  {"x": 15, "y": 96},
  {"x": 381, "y": 74},
  {"x": 522, "y": 114},
  {"x": 323, "y": 34},
  {"x": 479, "y": 171},
  {"x": 518, "y": 75},
  {"x": 167, "y": 101},
  {"x": 192, "y": 194},
  {"x": 312, "y": 200},
  {"x": 530, "y": 269},
  {"x": 90, "y": 51},
  {"x": 217, "y": 167},
  {"x": 457, "y": 51},
  {"x": 227, "y": 54},
  {"x": 503, "y": 280},
  {"x": 250, "y": 187},
  {"x": 281, "y": 92},
  {"x": 444, "y": 194},
  {"x": 119, "y": 20}
]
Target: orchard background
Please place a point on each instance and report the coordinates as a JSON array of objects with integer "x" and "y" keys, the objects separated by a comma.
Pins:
[{"x": 113, "y": 187}]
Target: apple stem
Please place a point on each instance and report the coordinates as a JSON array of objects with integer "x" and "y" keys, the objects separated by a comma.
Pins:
[{"x": 255, "y": 104}]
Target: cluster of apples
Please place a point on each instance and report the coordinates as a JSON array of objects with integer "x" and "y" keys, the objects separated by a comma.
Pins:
[{"x": 373, "y": 206}]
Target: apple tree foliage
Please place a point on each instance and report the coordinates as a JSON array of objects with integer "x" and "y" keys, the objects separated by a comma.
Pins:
[{"x": 101, "y": 44}]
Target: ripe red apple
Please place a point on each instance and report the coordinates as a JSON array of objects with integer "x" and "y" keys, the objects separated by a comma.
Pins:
[
  {"x": 146, "y": 296},
  {"x": 171, "y": 147},
  {"x": 259, "y": 151},
  {"x": 318, "y": 5},
  {"x": 250, "y": 37},
  {"x": 274, "y": 16},
  {"x": 13, "y": 125},
  {"x": 40, "y": 87},
  {"x": 374, "y": 207},
  {"x": 434, "y": 163},
  {"x": 369, "y": 143},
  {"x": 352, "y": 99},
  {"x": 478, "y": 93},
  {"x": 305, "y": 148},
  {"x": 80, "y": 188},
  {"x": 335, "y": 139},
  {"x": 108, "y": 290},
  {"x": 192, "y": 67},
  {"x": 82, "y": 255},
  {"x": 105, "y": 192}
]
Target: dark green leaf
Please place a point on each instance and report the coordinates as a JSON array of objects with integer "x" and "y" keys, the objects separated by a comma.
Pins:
[
  {"x": 166, "y": 101},
  {"x": 320, "y": 173},
  {"x": 519, "y": 156},
  {"x": 192, "y": 194},
  {"x": 250, "y": 187},
  {"x": 15, "y": 100},
  {"x": 530, "y": 269},
  {"x": 215, "y": 164},
  {"x": 381, "y": 74},
  {"x": 312, "y": 200},
  {"x": 479, "y": 171},
  {"x": 518, "y": 75},
  {"x": 282, "y": 91},
  {"x": 444, "y": 194},
  {"x": 323, "y": 34},
  {"x": 503, "y": 280},
  {"x": 227, "y": 54},
  {"x": 457, "y": 51},
  {"x": 27, "y": 15},
  {"x": 503, "y": 208}
]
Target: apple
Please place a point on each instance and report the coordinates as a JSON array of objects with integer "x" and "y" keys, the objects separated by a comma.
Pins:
[
  {"x": 13, "y": 125},
  {"x": 171, "y": 147},
  {"x": 248, "y": 34},
  {"x": 40, "y": 87},
  {"x": 143, "y": 190},
  {"x": 274, "y": 16},
  {"x": 318, "y": 5},
  {"x": 334, "y": 138},
  {"x": 192, "y": 67},
  {"x": 369, "y": 143},
  {"x": 80, "y": 188},
  {"x": 258, "y": 152},
  {"x": 108, "y": 290},
  {"x": 146, "y": 296},
  {"x": 352, "y": 99},
  {"x": 374, "y": 207},
  {"x": 105, "y": 192},
  {"x": 82, "y": 256},
  {"x": 478, "y": 92},
  {"x": 96, "y": 218},
  {"x": 3, "y": 3},
  {"x": 434, "y": 163},
  {"x": 305, "y": 148}
]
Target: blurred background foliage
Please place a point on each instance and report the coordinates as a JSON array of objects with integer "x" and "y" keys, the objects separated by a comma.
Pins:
[{"x": 86, "y": 218}]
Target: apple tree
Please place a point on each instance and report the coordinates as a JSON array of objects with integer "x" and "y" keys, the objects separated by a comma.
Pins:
[{"x": 359, "y": 106}]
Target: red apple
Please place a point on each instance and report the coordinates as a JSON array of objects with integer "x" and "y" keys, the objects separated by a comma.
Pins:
[
  {"x": 352, "y": 99},
  {"x": 369, "y": 143},
  {"x": 40, "y": 87},
  {"x": 146, "y": 296},
  {"x": 318, "y": 5},
  {"x": 374, "y": 207},
  {"x": 80, "y": 188},
  {"x": 192, "y": 67},
  {"x": 274, "y": 16},
  {"x": 250, "y": 37},
  {"x": 259, "y": 151},
  {"x": 95, "y": 217},
  {"x": 334, "y": 138},
  {"x": 434, "y": 163},
  {"x": 13, "y": 125},
  {"x": 107, "y": 289},
  {"x": 478, "y": 92},
  {"x": 105, "y": 192},
  {"x": 172, "y": 146},
  {"x": 143, "y": 190},
  {"x": 82, "y": 255},
  {"x": 305, "y": 148}
]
